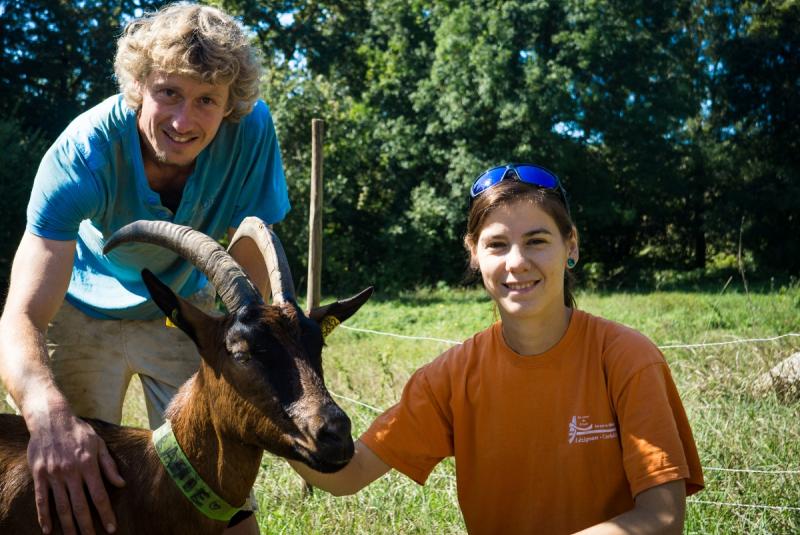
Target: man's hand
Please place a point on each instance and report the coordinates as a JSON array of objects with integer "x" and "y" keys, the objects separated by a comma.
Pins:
[{"x": 66, "y": 457}]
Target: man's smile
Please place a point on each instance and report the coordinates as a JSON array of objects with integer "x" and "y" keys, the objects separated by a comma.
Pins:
[{"x": 178, "y": 138}]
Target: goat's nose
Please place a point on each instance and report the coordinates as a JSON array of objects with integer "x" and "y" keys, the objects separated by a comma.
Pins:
[
  {"x": 335, "y": 425},
  {"x": 333, "y": 438}
]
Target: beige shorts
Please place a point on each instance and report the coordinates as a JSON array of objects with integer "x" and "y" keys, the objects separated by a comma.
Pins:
[{"x": 93, "y": 360}]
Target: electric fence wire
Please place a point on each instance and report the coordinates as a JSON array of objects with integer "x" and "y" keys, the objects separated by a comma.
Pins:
[
  {"x": 693, "y": 500},
  {"x": 666, "y": 346}
]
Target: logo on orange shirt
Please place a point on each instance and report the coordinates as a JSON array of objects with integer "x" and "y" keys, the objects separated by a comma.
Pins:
[{"x": 582, "y": 431}]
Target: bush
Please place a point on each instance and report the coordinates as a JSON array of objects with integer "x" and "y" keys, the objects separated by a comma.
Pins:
[{"x": 22, "y": 151}]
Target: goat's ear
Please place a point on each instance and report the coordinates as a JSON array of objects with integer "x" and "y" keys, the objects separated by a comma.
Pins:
[
  {"x": 331, "y": 315},
  {"x": 184, "y": 315}
]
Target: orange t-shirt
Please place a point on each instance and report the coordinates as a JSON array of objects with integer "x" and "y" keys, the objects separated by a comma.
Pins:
[{"x": 551, "y": 443}]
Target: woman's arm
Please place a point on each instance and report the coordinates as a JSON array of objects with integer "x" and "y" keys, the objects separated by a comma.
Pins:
[
  {"x": 659, "y": 509},
  {"x": 364, "y": 468}
]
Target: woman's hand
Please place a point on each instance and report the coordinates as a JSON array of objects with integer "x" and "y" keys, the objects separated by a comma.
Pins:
[{"x": 364, "y": 468}]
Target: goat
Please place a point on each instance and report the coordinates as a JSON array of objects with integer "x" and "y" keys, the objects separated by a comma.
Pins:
[{"x": 259, "y": 387}]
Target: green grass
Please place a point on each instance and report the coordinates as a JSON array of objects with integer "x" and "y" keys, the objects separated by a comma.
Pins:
[{"x": 734, "y": 428}]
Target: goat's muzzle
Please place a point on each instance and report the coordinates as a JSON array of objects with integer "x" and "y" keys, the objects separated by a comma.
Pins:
[{"x": 327, "y": 445}]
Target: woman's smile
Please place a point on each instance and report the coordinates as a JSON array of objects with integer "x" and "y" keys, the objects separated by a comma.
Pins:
[{"x": 521, "y": 286}]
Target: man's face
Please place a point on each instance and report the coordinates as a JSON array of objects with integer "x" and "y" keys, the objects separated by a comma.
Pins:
[{"x": 179, "y": 117}]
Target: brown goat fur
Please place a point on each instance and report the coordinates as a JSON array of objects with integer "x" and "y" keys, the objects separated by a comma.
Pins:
[
  {"x": 259, "y": 387},
  {"x": 149, "y": 503}
]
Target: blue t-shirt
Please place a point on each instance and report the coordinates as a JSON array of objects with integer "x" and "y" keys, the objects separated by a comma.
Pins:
[{"x": 91, "y": 182}]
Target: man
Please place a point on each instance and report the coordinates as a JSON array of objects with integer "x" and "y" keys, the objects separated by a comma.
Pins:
[{"x": 186, "y": 141}]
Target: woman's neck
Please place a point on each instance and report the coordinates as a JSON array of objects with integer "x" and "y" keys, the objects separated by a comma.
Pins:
[{"x": 534, "y": 336}]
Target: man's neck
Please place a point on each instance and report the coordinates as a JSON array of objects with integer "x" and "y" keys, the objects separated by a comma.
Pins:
[{"x": 167, "y": 180}]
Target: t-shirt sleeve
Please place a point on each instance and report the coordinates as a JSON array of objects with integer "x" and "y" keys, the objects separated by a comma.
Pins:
[
  {"x": 416, "y": 434},
  {"x": 657, "y": 441},
  {"x": 264, "y": 193},
  {"x": 65, "y": 192}
]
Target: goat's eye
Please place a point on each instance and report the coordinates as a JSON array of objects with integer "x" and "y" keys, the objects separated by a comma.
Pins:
[{"x": 242, "y": 357}]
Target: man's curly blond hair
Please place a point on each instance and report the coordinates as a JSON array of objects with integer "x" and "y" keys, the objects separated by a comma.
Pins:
[{"x": 197, "y": 41}]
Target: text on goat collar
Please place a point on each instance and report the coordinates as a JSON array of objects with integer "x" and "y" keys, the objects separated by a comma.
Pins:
[{"x": 187, "y": 479}]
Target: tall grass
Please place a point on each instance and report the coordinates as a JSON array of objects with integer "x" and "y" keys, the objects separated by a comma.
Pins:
[{"x": 735, "y": 428}]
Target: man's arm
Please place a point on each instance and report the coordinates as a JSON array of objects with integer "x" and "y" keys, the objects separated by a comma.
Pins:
[
  {"x": 660, "y": 509},
  {"x": 64, "y": 453},
  {"x": 364, "y": 468},
  {"x": 246, "y": 253}
]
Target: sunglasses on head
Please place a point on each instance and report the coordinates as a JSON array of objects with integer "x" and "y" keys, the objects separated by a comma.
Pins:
[{"x": 523, "y": 172}]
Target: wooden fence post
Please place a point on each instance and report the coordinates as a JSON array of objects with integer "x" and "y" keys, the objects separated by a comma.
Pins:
[{"x": 314, "y": 293}]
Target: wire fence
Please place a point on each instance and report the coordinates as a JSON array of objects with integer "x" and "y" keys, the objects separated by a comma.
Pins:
[
  {"x": 765, "y": 471},
  {"x": 745, "y": 505},
  {"x": 451, "y": 477},
  {"x": 665, "y": 346}
]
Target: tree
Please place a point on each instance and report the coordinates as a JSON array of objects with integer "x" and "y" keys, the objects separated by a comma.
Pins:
[
  {"x": 628, "y": 101},
  {"x": 22, "y": 150},
  {"x": 761, "y": 86},
  {"x": 673, "y": 125},
  {"x": 57, "y": 57}
]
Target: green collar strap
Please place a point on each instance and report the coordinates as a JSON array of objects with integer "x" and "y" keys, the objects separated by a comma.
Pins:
[{"x": 187, "y": 479}]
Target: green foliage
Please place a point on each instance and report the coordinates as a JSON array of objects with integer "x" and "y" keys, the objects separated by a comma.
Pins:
[
  {"x": 761, "y": 88},
  {"x": 57, "y": 57},
  {"x": 673, "y": 126},
  {"x": 22, "y": 151},
  {"x": 631, "y": 104}
]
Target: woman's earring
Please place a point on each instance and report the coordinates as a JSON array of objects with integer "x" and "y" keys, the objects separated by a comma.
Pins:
[{"x": 571, "y": 263}]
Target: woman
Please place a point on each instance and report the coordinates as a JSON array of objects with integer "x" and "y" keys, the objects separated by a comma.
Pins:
[{"x": 559, "y": 421}]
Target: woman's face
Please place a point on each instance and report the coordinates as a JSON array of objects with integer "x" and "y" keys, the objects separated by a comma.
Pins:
[{"x": 522, "y": 257}]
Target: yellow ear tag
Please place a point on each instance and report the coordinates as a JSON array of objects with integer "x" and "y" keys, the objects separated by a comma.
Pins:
[
  {"x": 170, "y": 322},
  {"x": 329, "y": 323}
]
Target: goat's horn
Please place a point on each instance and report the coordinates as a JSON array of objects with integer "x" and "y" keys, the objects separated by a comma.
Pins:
[
  {"x": 227, "y": 276},
  {"x": 280, "y": 276}
]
